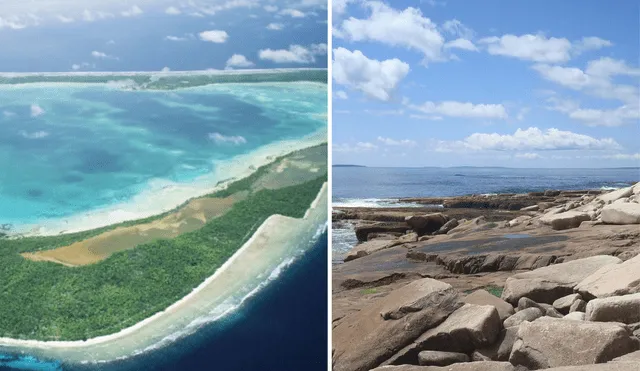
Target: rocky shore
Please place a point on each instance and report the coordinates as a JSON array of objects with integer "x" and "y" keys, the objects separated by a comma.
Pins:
[{"x": 547, "y": 280}]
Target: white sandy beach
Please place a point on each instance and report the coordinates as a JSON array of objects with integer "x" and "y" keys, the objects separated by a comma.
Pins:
[
  {"x": 163, "y": 195},
  {"x": 258, "y": 261}
]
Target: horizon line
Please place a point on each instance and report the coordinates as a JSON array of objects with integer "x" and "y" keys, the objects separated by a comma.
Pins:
[
  {"x": 459, "y": 166},
  {"x": 170, "y": 72}
]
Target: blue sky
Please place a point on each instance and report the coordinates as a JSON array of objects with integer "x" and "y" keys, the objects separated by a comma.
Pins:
[
  {"x": 145, "y": 35},
  {"x": 486, "y": 83}
]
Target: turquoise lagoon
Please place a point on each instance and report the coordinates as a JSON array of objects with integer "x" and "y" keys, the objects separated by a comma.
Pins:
[{"x": 81, "y": 151}]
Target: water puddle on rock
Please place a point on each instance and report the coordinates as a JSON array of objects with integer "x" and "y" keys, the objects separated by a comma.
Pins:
[{"x": 516, "y": 236}]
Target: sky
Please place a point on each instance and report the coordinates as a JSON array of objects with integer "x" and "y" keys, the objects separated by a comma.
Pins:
[
  {"x": 532, "y": 84},
  {"x": 151, "y": 35}
]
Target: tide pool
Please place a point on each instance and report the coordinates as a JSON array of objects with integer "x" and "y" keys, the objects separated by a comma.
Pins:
[{"x": 67, "y": 149}]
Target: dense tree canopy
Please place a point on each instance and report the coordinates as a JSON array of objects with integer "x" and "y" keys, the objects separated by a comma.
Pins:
[{"x": 49, "y": 301}]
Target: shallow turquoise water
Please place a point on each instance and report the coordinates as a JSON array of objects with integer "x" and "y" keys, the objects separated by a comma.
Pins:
[{"x": 66, "y": 149}]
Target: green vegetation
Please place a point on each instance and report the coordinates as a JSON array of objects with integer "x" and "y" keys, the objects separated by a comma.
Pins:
[
  {"x": 494, "y": 290},
  {"x": 491, "y": 225},
  {"x": 369, "y": 291},
  {"x": 48, "y": 301}
]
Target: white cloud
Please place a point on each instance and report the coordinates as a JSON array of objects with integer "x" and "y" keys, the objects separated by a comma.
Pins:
[
  {"x": 175, "y": 38},
  {"x": 36, "y": 110},
  {"x": 456, "y": 28},
  {"x": 221, "y": 139},
  {"x": 528, "y": 156},
  {"x": 79, "y": 66},
  {"x": 341, "y": 94},
  {"x": 238, "y": 60},
  {"x": 275, "y": 26},
  {"x": 541, "y": 49},
  {"x": 590, "y": 43},
  {"x": 165, "y": 69},
  {"x": 377, "y": 79},
  {"x": 613, "y": 117},
  {"x": 214, "y": 36},
  {"x": 271, "y": 8},
  {"x": 537, "y": 48},
  {"x": 357, "y": 148},
  {"x": 292, "y": 13},
  {"x": 340, "y": 6},
  {"x": 100, "y": 55},
  {"x": 623, "y": 156},
  {"x": 8, "y": 113},
  {"x": 407, "y": 28},
  {"x": 527, "y": 140},
  {"x": 295, "y": 54},
  {"x": 132, "y": 12},
  {"x": 463, "y": 44},
  {"x": 34, "y": 135},
  {"x": 426, "y": 117},
  {"x": 596, "y": 80},
  {"x": 14, "y": 23},
  {"x": 64, "y": 19},
  {"x": 172, "y": 10},
  {"x": 462, "y": 109},
  {"x": 394, "y": 142}
]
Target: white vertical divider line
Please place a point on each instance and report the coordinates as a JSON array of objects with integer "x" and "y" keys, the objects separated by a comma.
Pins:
[{"x": 329, "y": 173}]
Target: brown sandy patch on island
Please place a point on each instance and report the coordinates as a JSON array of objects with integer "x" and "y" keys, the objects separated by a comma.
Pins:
[
  {"x": 194, "y": 215},
  {"x": 293, "y": 170}
]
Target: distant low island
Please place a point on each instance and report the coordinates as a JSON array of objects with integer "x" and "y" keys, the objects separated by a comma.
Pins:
[{"x": 347, "y": 165}]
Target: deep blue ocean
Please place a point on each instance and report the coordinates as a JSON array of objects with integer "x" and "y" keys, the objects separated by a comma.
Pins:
[
  {"x": 282, "y": 328},
  {"x": 370, "y": 186}
]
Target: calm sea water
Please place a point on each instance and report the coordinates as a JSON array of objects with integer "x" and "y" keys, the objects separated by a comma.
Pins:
[
  {"x": 283, "y": 327},
  {"x": 66, "y": 149},
  {"x": 382, "y": 187}
]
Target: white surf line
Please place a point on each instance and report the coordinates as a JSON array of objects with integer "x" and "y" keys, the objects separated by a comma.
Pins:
[
  {"x": 9, "y": 342},
  {"x": 172, "y": 194}
]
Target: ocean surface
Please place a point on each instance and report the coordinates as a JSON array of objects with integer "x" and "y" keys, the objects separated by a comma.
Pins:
[
  {"x": 67, "y": 149},
  {"x": 283, "y": 327},
  {"x": 383, "y": 187}
]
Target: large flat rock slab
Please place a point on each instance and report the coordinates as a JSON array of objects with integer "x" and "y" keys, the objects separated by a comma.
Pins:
[
  {"x": 609, "y": 197},
  {"x": 365, "y": 339},
  {"x": 623, "y": 309},
  {"x": 547, "y": 284},
  {"x": 368, "y": 248},
  {"x": 552, "y": 342},
  {"x": 612, "y": 280},
  {"x": 631, "y": 358},
  {"x": 621, "y": 213},
  {"x": 566, "y": 220},
  {"x": 468, "y": 328},
  {"x": 482, "y": 297}
]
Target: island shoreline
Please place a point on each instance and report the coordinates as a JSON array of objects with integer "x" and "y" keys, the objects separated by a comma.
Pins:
[
  {"x": 26, "y": 345},
  {"x": 173, "y": 194}
]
